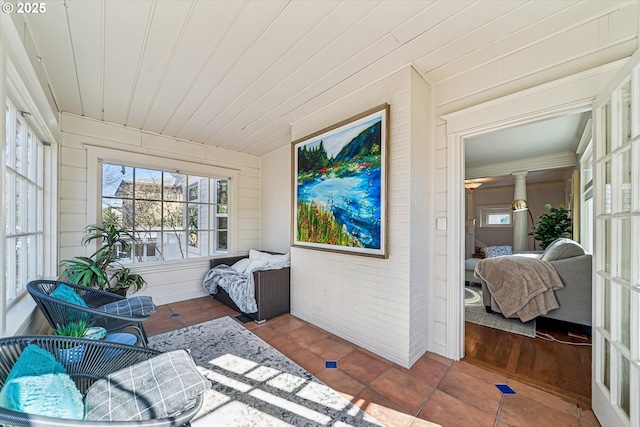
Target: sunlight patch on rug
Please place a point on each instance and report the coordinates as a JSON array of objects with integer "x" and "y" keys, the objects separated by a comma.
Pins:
[{"x": 254, "y": 384}]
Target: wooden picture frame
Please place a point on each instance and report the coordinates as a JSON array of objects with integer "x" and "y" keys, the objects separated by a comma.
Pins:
[{"x": 339, "y": 186}]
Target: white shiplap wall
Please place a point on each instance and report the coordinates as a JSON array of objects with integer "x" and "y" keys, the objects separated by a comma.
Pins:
[
  {"x": 163, "y": 280},
  {"x": 376, "y": 303}
]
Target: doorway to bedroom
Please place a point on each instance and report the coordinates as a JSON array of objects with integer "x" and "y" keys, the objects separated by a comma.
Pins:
[{"x": 548, "y": 354}]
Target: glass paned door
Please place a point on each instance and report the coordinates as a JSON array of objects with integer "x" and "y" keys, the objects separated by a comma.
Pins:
[{"x": 616, "y": 334}]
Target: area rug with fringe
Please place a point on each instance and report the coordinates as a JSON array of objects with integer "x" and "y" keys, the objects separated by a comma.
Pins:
[
  {"x": 475, "y": 312},
  {"x": 254, "y": 384}
]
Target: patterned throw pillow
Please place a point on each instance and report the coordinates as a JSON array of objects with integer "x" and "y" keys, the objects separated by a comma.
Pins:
[
  {"x": 141, "y": 306},
  {"x": 155, "y": 388},
  {"x": 494, "y": 251}
]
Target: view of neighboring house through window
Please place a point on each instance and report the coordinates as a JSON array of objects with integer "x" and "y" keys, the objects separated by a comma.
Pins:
[
  {"x": 23, "y": 204},
  {"x": 171, "y": 214}
]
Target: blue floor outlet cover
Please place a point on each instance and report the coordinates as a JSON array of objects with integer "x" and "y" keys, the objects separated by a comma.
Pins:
[
  {"x": 331, "y": 364},
  {"x": 505, "y": 389},
  {"x": 174, "y": 315}
]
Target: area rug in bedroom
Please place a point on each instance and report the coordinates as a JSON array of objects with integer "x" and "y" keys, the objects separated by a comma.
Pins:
[
  {"x": 254, "y": 384},
  {"x": 475, "y": 312}
]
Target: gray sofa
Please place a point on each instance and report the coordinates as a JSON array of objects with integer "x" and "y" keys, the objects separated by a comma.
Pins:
[{"x": 573, "y": 266}]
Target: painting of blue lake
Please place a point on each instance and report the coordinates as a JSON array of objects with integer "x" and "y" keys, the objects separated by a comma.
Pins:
[{"x": 339, "y": 187}]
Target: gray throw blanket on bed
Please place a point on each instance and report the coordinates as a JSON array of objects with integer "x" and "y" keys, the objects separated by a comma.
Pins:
[
  {"x": 520, "y": 286},
  {"x": 238, "y": 286}
]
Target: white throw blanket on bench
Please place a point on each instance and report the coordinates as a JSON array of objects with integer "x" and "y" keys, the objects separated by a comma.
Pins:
[{"x": 520, "y": 286}]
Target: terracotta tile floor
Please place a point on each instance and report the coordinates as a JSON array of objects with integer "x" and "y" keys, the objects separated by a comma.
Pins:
[{"x": 435, "y": 392}]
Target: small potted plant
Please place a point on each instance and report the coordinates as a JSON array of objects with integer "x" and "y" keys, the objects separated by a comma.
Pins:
[
  {"x": 102, "y": 269},
  {"x": 72, "y": 354}
]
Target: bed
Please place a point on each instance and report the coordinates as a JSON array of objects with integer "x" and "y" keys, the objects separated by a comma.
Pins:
[{"x": 271, "y": 288}]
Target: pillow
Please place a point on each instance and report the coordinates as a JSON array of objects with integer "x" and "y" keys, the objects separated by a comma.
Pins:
[
  {"x": 155, "y": 388},
  {"x": 494, "y": 251},
  {"x": 131, "y": 307},
  {"x": 68, "y": 294},
  {"x": 38, "y": 384},
  {"x": 241, "y": 265},
  {"x": 562, "y": 248},
  {"x": 256, "y": 264},
  {"x": 270, "y": 258}
]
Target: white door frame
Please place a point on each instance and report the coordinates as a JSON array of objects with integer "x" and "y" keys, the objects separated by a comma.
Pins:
[{"x": 564, "y": 96}]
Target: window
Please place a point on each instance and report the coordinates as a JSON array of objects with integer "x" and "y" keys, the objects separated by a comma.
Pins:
[
  {"x": 495, "y": 216},
  {"x": 586, "y": 194},
  {"x": 172, "y": 215},
  {"x": 24, "y": 225}
]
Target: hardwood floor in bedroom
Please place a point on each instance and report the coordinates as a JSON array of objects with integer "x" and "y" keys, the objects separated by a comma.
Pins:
[{"x": 558, "y": 368}]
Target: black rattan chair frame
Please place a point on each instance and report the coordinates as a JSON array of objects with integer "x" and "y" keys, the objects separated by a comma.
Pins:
[
  {"x": 100, "y": 359},
  {"x": 58, "y": 312}
]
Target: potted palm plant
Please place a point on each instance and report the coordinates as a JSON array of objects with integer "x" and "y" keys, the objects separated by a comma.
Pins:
[{"x": 102, "y": 268}]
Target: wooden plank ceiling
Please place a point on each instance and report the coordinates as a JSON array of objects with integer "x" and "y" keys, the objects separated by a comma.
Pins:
[{"x": 236, "y": 74}]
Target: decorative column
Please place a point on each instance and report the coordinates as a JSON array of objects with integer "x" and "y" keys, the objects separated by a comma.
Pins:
[{"x": 520, "y": 219}]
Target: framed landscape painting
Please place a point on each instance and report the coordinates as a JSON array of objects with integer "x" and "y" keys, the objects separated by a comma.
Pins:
[{"x": 340, "y": 186}]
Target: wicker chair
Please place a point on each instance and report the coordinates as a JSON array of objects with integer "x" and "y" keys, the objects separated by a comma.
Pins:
[
  {"x": 100, "y": 359},
  {"x": 58, "y": 312}
]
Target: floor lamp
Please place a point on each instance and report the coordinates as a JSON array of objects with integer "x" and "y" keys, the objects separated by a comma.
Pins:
[{"x": 520, "y": 205}]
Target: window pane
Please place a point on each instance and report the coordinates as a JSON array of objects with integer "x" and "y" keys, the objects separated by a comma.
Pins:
[
  {"x": 606, "y": 231},
  {"x": 193, "y": 225},
  {"x": 31, "y": 168},
  {"x": 198, "y": 189},
  {"x": 606, "y": 209},
  {"x": 606, "y": 111},
  {"x": 607, "y": 305},
  {"x": 117, "y": 181},
  {"x": 39, "y": 164},
  {"x": 147, "y": 215},
  {"x": 19, "y": 147},
  {"x": 503, "y": 219},
  {"x": 222, "y": 240},
  {"x": 625, "y": 316},
  {"x": 222, "y": 223},
  {"x": 222, "y": 192},
  {"x": 624, "y": 386},
  {"x": 625, "y": 178},
  {"x": 148, "y": 184},
  {"x": 174, "y": 245},
  {"x": 173, "y": 215},
  {"x": 175, "y": 186},
  {"x": 7, "y": 136},
  {"x": 624, "y": 259},
  {"x": 625, "y": 99},
  {"x": 18, "y": 206}
]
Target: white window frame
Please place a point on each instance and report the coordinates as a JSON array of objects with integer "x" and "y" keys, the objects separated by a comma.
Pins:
[
  {"x": 97, "y": 155},
  {"x": 19, "y": 83},
  {"x": 486, "y": 210},
  {"x": 31, "y": 183}
]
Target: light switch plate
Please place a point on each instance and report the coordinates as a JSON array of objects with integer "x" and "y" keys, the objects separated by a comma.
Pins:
[{"x": 441, "y": 223}]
